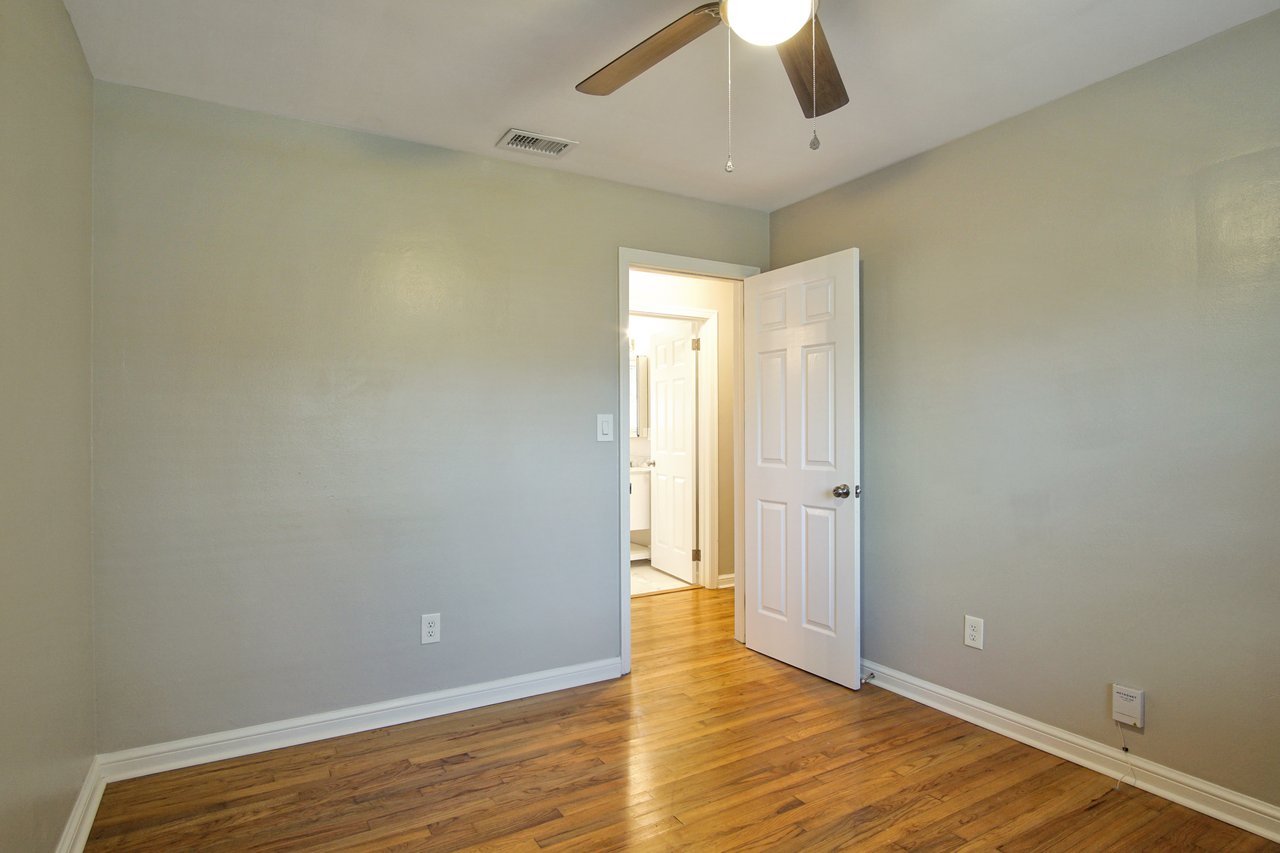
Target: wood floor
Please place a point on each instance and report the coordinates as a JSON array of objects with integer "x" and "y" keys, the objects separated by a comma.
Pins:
[{"x": 706, "y": 746}]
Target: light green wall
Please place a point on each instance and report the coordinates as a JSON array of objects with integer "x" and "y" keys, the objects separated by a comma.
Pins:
[
  {"x": 341, "y": 381},
  {"x": 1071, "y": 335},
  {"x": 46, "y": 700}
]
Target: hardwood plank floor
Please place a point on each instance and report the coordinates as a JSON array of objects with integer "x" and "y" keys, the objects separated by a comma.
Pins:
[{"x": 705, "y": 746}]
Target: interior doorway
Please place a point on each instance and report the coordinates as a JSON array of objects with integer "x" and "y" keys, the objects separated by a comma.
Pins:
[
  {"x": 797, "y": 551},
  {"x": 692, "y": 503}
]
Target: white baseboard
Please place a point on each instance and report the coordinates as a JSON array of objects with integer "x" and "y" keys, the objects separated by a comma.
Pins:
[
  {"x": 725, "y": 581},
  {"x": 1214, "y": 800},
  {"x": 76, "y": 832},
  {"x": 1246, "y": 812},
  {"x": 188, "y": 752}
]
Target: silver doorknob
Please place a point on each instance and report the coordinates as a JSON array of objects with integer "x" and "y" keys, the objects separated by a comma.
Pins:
[{"x": 841, "y": 491}]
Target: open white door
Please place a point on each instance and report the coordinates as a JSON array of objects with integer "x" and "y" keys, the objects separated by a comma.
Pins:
[
  {"x": 674, "y": 440},
  {"x": 801, "y": 389}
]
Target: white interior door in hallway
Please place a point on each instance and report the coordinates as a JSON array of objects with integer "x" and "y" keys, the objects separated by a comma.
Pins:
[
  {"x": 802, "y": 542},
  {"x": 674, "y": 440}
]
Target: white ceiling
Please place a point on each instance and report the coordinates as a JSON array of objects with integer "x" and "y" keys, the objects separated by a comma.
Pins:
[{"x": 457, "y": 73}]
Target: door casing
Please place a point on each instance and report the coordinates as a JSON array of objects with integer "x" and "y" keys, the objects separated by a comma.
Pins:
[{"x": 734, "y": 273}]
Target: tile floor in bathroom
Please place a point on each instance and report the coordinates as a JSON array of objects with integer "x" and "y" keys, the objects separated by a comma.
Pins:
[{"x": 646, "y": 580}]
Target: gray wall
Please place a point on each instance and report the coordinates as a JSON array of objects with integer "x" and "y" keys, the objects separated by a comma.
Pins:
[
  {"x": 341, "y": 381},
  {"x": 46, "y": 699},
  {"x": 1071, "y": 334}
]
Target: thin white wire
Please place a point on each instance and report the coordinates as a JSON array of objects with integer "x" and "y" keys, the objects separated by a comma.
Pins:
[
  {"x": 814, "y": 144},
  {"x": 728, "y": 163},
  {"x": 1129, "y": 758}
]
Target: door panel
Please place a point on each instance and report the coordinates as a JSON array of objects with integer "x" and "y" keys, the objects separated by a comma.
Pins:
[
  {"x": 771, "y": 557},
  {"x": 818, "y": 413},
  {"x": 819, "y": 561},
  {"x": 801, "y": 352},
  {"x": 674, "y": 440},
  {"x": 771, "y": 414}
]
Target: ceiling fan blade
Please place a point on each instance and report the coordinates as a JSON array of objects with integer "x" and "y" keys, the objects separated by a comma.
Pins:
[
  {"x": 797, "y": 54},
  {"x": 652, "y": 50}
]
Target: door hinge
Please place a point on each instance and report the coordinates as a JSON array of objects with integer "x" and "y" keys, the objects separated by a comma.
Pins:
[
  {"x": 697, "y": 344},
  {"x": 697, "y": 555}
]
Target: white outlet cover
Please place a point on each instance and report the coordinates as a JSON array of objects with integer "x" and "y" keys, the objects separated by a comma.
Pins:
[
  {"x": 973, "y": 631},
  {"x": 430, "y": 628}
]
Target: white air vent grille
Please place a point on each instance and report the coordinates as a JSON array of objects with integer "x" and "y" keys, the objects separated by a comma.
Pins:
[{"x": 535, "y": 143}]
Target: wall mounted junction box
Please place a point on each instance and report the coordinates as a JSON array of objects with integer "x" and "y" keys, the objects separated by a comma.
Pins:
[{"x": 1128, "y": 705}]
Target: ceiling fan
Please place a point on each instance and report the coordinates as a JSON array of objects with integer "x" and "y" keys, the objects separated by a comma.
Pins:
[{"x": 800, "y": 50}]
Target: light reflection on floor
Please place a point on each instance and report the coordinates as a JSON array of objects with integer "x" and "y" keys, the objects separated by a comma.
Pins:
[{"x": 645, "y": 579}]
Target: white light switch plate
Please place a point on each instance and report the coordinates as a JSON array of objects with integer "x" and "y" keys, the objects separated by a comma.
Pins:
[{"x": 604, "y": 427}]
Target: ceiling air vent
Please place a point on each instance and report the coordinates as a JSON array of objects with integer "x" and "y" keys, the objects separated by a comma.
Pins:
[{"x": 534, "y": 143}]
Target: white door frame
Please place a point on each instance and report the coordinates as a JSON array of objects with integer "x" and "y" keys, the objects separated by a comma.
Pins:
[{"x": 735, "y": 273}]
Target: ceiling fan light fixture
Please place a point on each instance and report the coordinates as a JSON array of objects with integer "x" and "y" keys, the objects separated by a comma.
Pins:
[{"x": 765, "y": 22}]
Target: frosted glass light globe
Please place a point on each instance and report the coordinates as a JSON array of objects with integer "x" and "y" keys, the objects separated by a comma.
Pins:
[{"x": 765, "y": 22}]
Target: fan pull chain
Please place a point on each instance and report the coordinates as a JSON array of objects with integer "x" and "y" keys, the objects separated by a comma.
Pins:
[
  {"x": 815, "y": 143},
  {"x": 728, "y": 164}
]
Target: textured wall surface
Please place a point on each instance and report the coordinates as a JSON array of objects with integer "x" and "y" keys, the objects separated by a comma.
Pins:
[
  {"x": 46, "y": 686},
  {"x": 1071, "y": 333},
  {"x": 341, "y": 381}
]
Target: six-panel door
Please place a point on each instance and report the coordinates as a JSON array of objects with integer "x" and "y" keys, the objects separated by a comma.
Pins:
[{"x": 801, "y": 358}]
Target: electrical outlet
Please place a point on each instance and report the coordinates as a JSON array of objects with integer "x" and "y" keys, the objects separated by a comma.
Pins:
[
  {"x": 430, "y": 628},
  {"x": 973, "y": 631}
]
